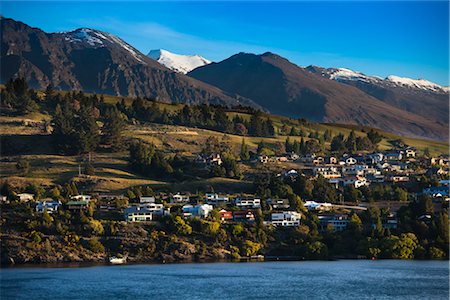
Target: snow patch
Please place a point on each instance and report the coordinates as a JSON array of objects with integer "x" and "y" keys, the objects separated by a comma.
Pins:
[
  {"x": 176, "y": 62},
  {"x": 416, "y": 83}
]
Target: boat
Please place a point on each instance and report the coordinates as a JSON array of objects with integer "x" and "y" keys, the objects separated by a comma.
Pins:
[{"x": 117, "y": 260}]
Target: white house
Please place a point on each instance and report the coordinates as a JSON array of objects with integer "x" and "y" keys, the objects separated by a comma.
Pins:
[
  {"x": 247, "y": 202},
  {"x": 201, "y": 210},
  {"x": 286, "y": 218},
  {"x": 81, "y": 198},
  {"x": 350, "y": 161},
  {"x": 138, "y": 214},
  {"x": 357, "y": 170},
  {"x": 313, "y": 205},
  {"x": 49, "y": 206},
  {"x": 178, "y": 198},
  {"x": 24, "y": 197},
  {"x": 357, "y": 182}
]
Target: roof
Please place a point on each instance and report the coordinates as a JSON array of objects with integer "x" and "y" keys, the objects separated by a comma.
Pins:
[{"x": 77, "y": 203}]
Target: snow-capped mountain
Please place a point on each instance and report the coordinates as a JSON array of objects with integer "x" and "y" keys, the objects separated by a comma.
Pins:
[
  {"x": 343, "y": 75},
  {"x": 96, "y": 39},
  {"x": 176, "y": 62}
]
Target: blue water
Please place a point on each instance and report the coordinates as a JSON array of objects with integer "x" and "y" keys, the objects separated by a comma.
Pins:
[{"x": 345, "y": 279}]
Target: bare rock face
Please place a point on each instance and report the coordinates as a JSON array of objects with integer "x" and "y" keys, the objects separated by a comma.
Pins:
[
  {"x": 98, "y": 62},
  {"x": 287, "y": 89}
]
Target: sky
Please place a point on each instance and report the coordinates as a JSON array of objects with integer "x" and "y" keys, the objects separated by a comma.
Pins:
[{"x": 409, "y": 39}]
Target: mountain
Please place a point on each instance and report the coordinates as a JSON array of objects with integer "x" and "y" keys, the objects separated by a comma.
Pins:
[
  {"x": 176, "y": 62},
  {"x": 420, "y": 97},
  {"x": 287, "y": 89},
  {"x": 96, "y": 61}
]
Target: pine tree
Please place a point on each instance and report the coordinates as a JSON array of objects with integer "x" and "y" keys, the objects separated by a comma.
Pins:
[
  {"x": 113, "y": 127},
  {"x": 245, "y": 155}
]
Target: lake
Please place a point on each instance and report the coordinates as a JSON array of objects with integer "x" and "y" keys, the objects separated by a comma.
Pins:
[{"x": 342, "y": 279}]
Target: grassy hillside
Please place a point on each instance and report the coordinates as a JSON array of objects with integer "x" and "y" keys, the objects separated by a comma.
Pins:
[{"x": 112, "y": 171}]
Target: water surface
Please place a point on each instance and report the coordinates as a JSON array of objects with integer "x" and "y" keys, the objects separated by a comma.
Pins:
[{"x": 344, "y": 279}]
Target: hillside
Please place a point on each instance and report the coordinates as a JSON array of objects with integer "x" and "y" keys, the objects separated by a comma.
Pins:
[
  {"x": 286, "y": 89},
  {"x": 96, "y": 61},
  {"x": 420, "y": 97},
  {"x": 30, "y": 141}
]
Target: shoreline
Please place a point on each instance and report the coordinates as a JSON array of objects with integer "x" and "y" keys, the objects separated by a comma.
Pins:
[{"x": 88, "y": 264}]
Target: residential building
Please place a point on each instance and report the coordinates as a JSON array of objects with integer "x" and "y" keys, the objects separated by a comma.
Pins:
[
  {"x": 179, "y": 198},
  {"x": 437, "y": 191},
  {"x": 147, "y": 199},
  {"x": 81, "y": 198},
  {"x": 313, "y": 205},
  {"x": 326, "y": 171},
  {"x": 278, "y": 203},
  {"x": 356, "y": 181},
  {"x": 286, "y": 218},
  {"x": 77, "y": 205},
  {"x": 138, "y": 214},
  {"x": 410, "y": 152},
  {"x": 393, "y": 155},
  {"x": 47, "y": 205},
  {"x": 350, "y": 161},
  {"x": 215, "y": 199},
  {"x": 243, "y": 216},
  {"x": 247, "y": 202},
  {"x": 25, "y": 197},
  {"x": 157, "y": 208},
  {"x": 336, "y": 222},
  {"x": 201, "y": 210},
  {"x": 225, "y": 215}
]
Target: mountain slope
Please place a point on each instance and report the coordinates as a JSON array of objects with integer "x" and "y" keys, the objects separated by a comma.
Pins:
[
  {"x": 420, "y": 97},
  {"x": 176, "y": 62},
  {"x": 96, "y": 61},
  {"x": 287, "y": 89}
]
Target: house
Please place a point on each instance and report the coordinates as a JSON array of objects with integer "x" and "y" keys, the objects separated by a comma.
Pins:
[
  {"x": 437, "y": 191},
  {"x": 157, "y": 208},
  {"x": 308, "y": 158},
  {"x": 4, "y": 199},
  {"x": 332, "y": 160},
  {"x": 225, "y": 215},
  {"x": 336, "y": 222},
  {"x": 393, "y": 155},
  {"x": 49, "y": 206},
  {"x": 138, "y": 214},
  {"x": 356, "y": 170},
  {"x": 441, "y": 161},
  {"x": 318, "y": 160},
  {"x": 278, "y": 203},
  {"x": 293, "y": 156},
  {"x": 147, "y": 199},
  {"x": 437, "y": 171},
  {"x": 77, "y": 205},
  {"x": 350, "y": 161},
  {"x": 81, "y": 198},
  {"x": 313, "y": 205},
  {"x": 326, "y": 171},
  {"x": 398, "y": 178},
  {"x": 243, "y": 216},
  {"x": 247, "y": 202},
  {"x": 410, "y": 152},
  {"x": 215, "y": 199},
  {"x": 201, "y": 210},
  {"x": 286, "y": 218},
  {"x": 291, "y": 173},
  {"x": 25, "y": 197},
  {"x": 356, "y": 181},
  {"x": 179, "y": 198}
]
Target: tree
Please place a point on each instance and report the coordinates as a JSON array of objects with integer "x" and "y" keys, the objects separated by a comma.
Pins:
[
  {"x": 350, "y": 142},
  {"x": 112, "y": 129},
  {"x": 245, "y": 154},
  {"x": 374, "y": 136}
]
